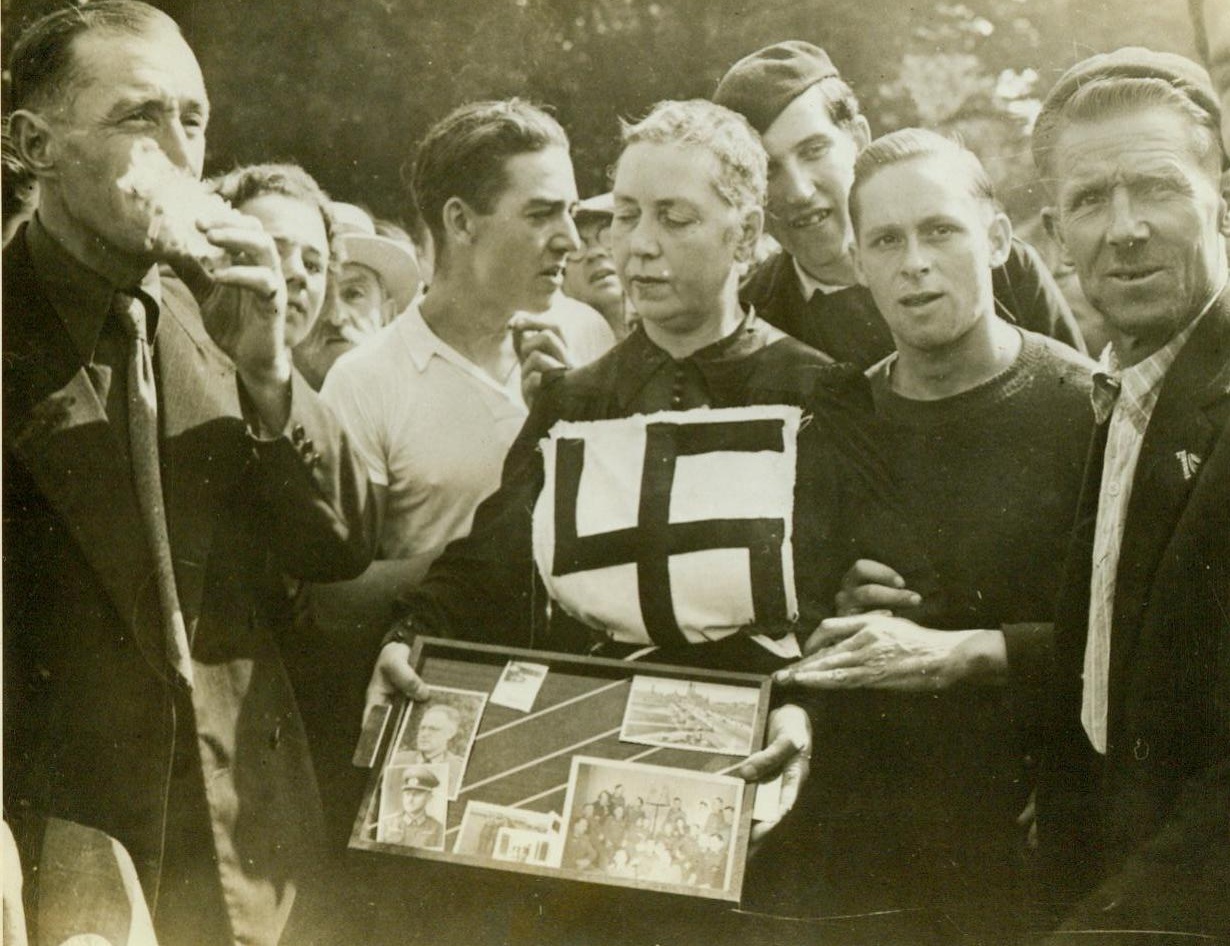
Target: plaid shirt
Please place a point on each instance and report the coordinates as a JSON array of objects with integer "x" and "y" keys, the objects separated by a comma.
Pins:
[{"x": 1127, "y": 397}]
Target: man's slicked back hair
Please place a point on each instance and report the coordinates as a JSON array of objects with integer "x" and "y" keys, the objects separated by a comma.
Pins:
[
  {"x": 42, "y": 64},
  {"x": 464, "y": 155},
  {"x": 908, "y": 144},
  {"x": 1117, "y": 95},
  {"x": 743, "y": 166}
]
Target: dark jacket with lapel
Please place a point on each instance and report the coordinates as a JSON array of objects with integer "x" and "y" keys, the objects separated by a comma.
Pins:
[
  {"x": 1148, "y": 826},
  {"x": 92, "y": 718}
]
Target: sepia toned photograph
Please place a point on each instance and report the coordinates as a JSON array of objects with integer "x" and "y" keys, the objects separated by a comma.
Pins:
[
  {"x": 414, "y": 806},
  {"x": 440, "y": 730},
  {"x": 519, "y": 684},
  {"x": 688, "y": 714},
  {"x": 666, "y": 330},
  {"x": 512, "y": 835},
  {"x": 650, "y": 824}
]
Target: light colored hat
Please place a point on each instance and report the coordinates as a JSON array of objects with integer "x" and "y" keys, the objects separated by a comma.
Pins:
[{"x": 394, "y": 262}]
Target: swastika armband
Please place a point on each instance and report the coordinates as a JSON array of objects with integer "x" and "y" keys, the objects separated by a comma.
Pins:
[{"x": 671, "y": 527}]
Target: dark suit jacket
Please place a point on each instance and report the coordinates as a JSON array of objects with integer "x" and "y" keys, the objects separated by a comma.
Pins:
[
  {"x": 847, "y": 326},
  {"x": 96, "y": 731},
  {"x": 1148, "y": 827}
]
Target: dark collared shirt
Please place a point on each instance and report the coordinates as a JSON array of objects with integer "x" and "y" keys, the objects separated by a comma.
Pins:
[
  {"x": 84, "y": 299},
  {"x": 718, "y": 375}
]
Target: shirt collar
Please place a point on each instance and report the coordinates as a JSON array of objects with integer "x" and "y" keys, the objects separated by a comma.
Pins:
[
  {"x": 723, "y": 364},
  {"x": 1137, "y": 388},
  {"x": 726, "y": 346},
  {"x": 809, "y": 285},
  {"x": 420, "y": 340},
  {"x": 80, "y": 296}
]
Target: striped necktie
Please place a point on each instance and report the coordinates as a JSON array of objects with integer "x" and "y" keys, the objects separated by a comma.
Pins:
[{"x": 143, "y": 444}]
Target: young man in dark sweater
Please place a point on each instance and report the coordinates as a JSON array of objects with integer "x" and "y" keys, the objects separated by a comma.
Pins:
[{"x": 988, "y": 423}]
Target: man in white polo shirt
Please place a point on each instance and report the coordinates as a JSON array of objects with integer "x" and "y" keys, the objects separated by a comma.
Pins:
[{"x": 434, "y": 401}]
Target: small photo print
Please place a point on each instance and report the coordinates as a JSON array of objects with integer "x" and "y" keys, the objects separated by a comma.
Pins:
[
  {"x": 688, "y": 714},
  {"x": 413, "y": 806},
  {"x": 510, "y": 834},
  {"x": 369, "y": 739},
  {"x": 440, "y": 731},
  {"x": 518, "y": 685},
  {"x": 651, "y": 824}
]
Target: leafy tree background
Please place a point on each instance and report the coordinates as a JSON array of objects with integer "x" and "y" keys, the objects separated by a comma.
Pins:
[{"x": 347, "y": 89}]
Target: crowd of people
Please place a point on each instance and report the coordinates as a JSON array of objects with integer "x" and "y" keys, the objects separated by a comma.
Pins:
[
  {"x": 660, "y": 844},
  {"x": 257, "y": 441}
]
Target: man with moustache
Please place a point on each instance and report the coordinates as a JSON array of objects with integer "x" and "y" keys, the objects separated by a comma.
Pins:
[
  {"x": 809, "y": 121},
  {"x": 153, "y": 500},
  {"x": 377, "y": 278},
  {"x": 985, "y": 427},
  {"x": 1134, "y": 800}
]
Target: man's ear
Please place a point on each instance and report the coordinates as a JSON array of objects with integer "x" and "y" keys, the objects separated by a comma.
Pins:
[
  {"x": 458, "y": 221},
  {"x": 1050, "y": 222},
  {"x": 33, "y": 140},
  {"x": 1223, "y": 207},
  {"x": 999, "y": 231},
  {"x": 857, "y": 258},
  {"x": 1224, "y": 184}
]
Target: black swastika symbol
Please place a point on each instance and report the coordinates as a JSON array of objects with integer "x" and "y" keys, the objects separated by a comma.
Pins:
[{"x": 654, "y": 539}]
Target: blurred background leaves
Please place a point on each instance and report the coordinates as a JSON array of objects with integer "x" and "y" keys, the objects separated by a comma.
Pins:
[{"x": 348, "y": 88}]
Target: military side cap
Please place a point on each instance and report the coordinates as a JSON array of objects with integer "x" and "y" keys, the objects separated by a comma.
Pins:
[
  {"x": 761, "y": 85},
  {"x": 1130, "y": 62},
  {"x": 419, "y": 778}
]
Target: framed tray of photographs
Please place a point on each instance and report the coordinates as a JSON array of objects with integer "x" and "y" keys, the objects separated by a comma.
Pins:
[{"x": 587, "y": 769}]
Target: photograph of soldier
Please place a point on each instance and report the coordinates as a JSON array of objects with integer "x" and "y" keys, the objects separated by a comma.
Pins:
[{"x": 413, "y": 807}]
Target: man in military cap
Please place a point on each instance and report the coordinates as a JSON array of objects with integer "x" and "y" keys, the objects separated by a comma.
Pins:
[
  {"x": 811, "y": 126},
  {"x": 413, "y": 826}
]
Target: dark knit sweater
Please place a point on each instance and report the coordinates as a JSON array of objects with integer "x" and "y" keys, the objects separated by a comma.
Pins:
[
  {"x": 915, "y": 794},
  {"x": 990, "y": 478}
]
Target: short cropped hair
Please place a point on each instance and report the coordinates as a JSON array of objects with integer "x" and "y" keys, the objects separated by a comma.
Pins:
[
  {"x": 908, "y": 144},
  {"x": 42, "y": 65},
  {"x": 743, "y": 166},
  {"x": 243, "y": 184},
  {"x": 465, "y": 153},
  {"x": 1115, "y": 95}
]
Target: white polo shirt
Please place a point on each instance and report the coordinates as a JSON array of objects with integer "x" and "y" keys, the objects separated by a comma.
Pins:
[{"x": 432, "y": 427}]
